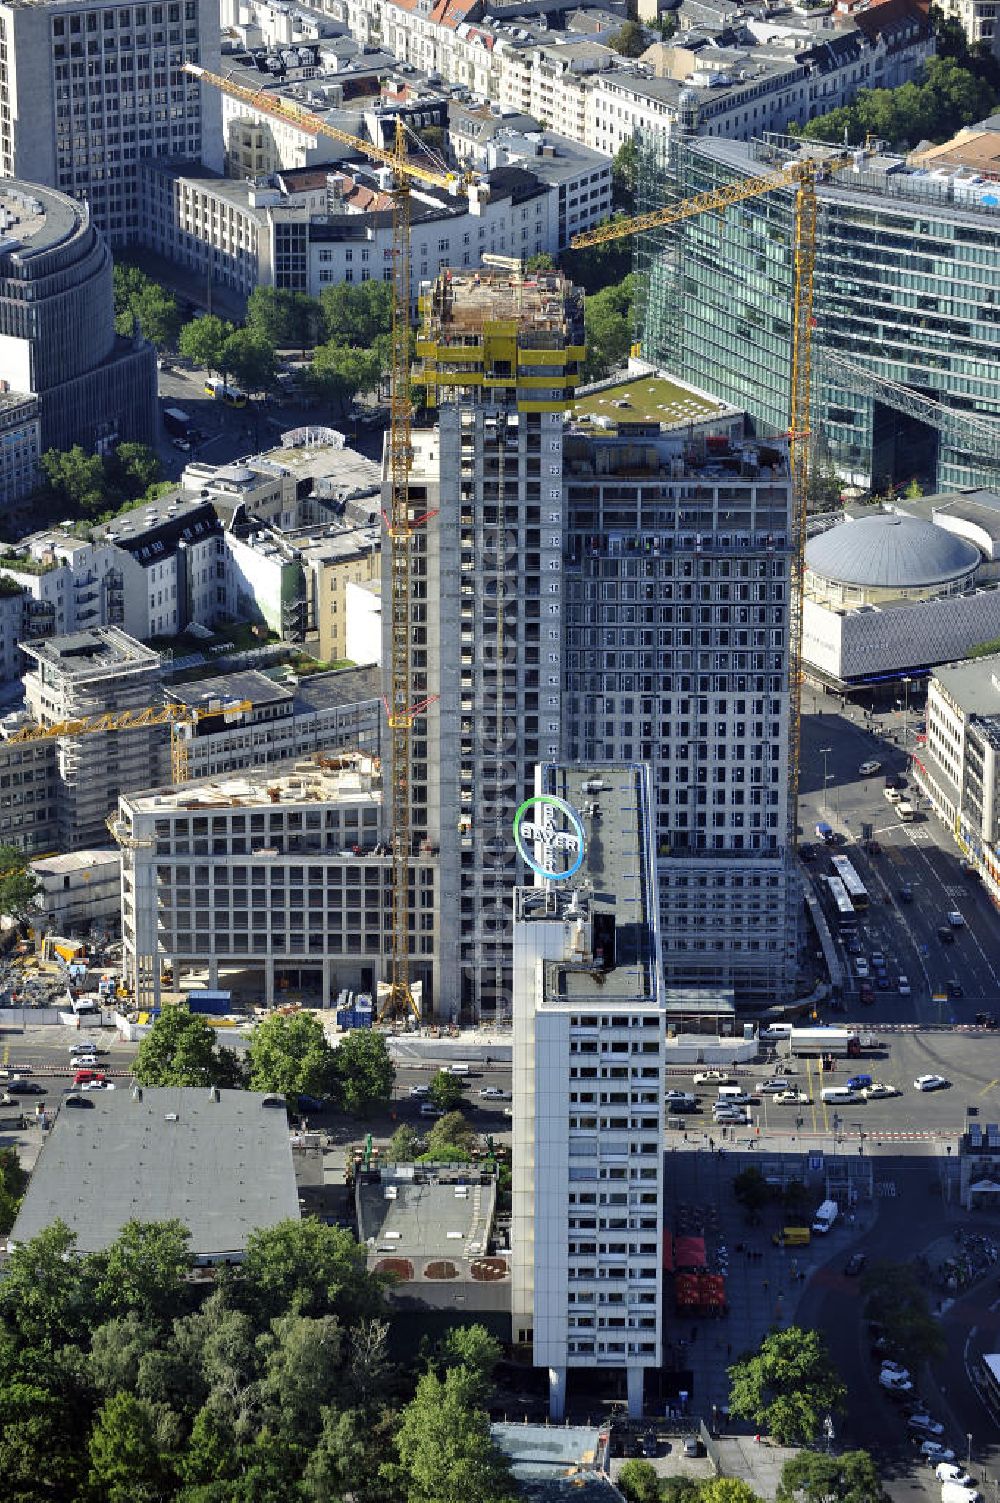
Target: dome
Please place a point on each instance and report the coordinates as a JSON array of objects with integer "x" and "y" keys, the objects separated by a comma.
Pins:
[{"x": 887, "y": 552}]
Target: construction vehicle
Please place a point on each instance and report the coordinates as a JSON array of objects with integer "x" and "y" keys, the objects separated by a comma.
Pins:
[
  {"x": 801, "y": 177},
  {"x": 401, "y": 523}
]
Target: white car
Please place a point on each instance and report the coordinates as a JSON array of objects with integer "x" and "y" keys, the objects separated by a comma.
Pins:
[
  {"x": 861, "y": 966},
  {"x": 947, "y": 1471},
  {"x": 925, "y": 1424},
  {"x": 772, "y": 1087},
  {"x": 903, "y": 986},
  {"x": 712, "y": 1077},
  {"x": 896, "y": 1369},
  {"x": 419, "y": 1090},
  {"x": 878, "y": 1091},
  {"x": 956, "y": 920},
  {"x": 933, "y": 1450},
  {"x": 895, "y": 1384},
  {"x": 930, "y": 1083},
  {"x": 867, "y": 768},
  {"x": 791, "y": 1098},
  {"x": 96, "y": 1085},
  {"x": 83, "y": 1061},
  {"x": 493, "y": 1093}
]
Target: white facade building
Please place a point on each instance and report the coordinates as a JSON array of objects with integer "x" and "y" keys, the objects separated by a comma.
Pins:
[{"x": 589, "y": 1042}]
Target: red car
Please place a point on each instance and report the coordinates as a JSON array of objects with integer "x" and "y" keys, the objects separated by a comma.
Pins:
[{"x": 88, "y": 1077}]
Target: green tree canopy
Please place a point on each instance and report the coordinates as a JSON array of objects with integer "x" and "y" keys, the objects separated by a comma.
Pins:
[
  {"x": 357, "y": 315},
  {"x": 250, "y": 360},
  {"x": 283, "y": 319},
  {"x": 308, "y": 1268},
  {"x": 540, "y": 262},
  {"x": 291, "y": 1054},
  {"x": 13, "y": 1182},
  {"x": 639, "y": 1482},
  {"x": 815, "y": 1477},
  {"x": 608, "y": 320},
  {"x": 404, "y": 1145},
  {"x": 477, "y": 1351},
  {"x": 365, "y": 1072},
  {"x": 144, "y": 304},
  {"x": 450, "y": 1140},
  {"x": 895, "y": 1296},
  {"x": 181, "y": 1049},
  {"x": 128, "y": 1451},
  {"x": 77, "y": 478},
  {"x": 340, "y": 372},
  {"x": 630, "y": 39},
  {"x": 624, "y": 176},
  {"x": 598, "y": 267},
  {"x": 203, "y": 342},
  {"x": 446, "y": 1091},
  {"x": 788, "y": 1387},
  {"x": 727, "y": 1490},
  {"x": 933, "y": 108},
  {"x": 146, "y": 1270},
  {"x": 446, "y": 1453},
  {"x": 751, "y": 1189},
  {"x": 18, "y": 883}
]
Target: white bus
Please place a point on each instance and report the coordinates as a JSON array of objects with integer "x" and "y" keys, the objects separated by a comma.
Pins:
[
  {"x": 841, "y": 908},
  {"x": 856, "y": 889}
]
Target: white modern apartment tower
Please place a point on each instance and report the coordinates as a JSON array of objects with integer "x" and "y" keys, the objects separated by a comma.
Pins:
[
  {"x": 91, "y": 88},
  {"x": 499, "y": 356},
  {"x": 677, "y": 577},
  {"x": 589, "y": 1042}
]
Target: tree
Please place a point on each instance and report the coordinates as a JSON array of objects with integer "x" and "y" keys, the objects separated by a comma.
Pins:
[
  {"x": 339, "y": 372},
  {"x": 282, "y": 318},
  {"x": 896, "y": 1298},
  {"x": 403, "y": 1145},
  {"x": 540, "y": 262},
  {"x": 292, "y": 1054},
  {"x": 365, "y": 1072},
  {"x": 18, "y": 883},
  {"x": 357, "y": 315},
  {"x": 76, "y": 477},
  {"x": 181, "y": 1049},
  {"x": 127, "y": 1461},
  {"x": 608, "y": 320},
  {"x": 599, "y": 266},
  {"x": 145, "y": 1270},
  {"x": 751, "y": 1190},
  {"x": 629, "y": 40},
  {"x": 446, "y": 1453},
  {"x": 450, "y": 1140},
  {"x": 13, "y": 1182},
  {"x": 796, "y": 1198},
  {"x": 42, "y": 1452},
  {"x": 47, "y": 1292},
  {"x": 342, "y": 1468},
  {"x": 475, "y": 1350},
  {"x": 788, "y": 1387},
  {"x": 203, "y": 342},
  {"x": 133, "y": 468},
  {"x": 309, "y": 1268},
  {"x": 144, "y": 305},
  {"x": 639, "y": 1482},
  {"x": 814, "y": 1477},
  {"x": 303, "y": 1373},
  {"x": 369, "y": 1360},
  {"x": 727, "y": 1490},
  {"x": 250, "y": 360},
  {"x": 446, "y": 1091}
]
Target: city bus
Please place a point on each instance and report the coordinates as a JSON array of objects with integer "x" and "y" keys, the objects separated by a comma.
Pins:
[
  {"x": 853, "y": 885},
  {"x": 231, "y": 395},
  {"x": 840, "y": 906}
]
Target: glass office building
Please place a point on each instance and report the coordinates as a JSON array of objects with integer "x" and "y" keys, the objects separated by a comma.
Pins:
[{"x": 907, "y": 306}]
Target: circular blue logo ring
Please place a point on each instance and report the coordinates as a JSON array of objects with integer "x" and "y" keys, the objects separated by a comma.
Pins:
[{"x": 568, "y": 812}]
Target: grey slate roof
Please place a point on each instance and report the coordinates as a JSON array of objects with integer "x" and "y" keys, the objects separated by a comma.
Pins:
[
  {"x": 890, "y": 552},
  {"x": 223, "y": 1168}
]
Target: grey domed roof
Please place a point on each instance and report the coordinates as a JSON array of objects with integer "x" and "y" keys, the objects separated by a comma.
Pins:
[{"x": 886, "y": 552}]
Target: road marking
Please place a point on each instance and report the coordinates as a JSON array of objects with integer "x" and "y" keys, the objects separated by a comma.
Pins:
[{"x": 989, "y": 1087}]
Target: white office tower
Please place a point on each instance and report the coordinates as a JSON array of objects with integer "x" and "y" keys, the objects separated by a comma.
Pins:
[
  {"x": 677, "y": 580},
  {"x": 589, "y": 1041}
]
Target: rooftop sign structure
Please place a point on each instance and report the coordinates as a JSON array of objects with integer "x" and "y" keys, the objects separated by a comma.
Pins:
[{"x": 558, "y": 833}]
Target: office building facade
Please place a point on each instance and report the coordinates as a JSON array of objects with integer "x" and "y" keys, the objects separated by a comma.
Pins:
[
  {"x": 499, "y": 360},
  {"x": 906, "y": 307},
  {"x": 91, "y": 90},
  {"x": 589, "y": 1046},
  {"x": 677, "y": 599}
]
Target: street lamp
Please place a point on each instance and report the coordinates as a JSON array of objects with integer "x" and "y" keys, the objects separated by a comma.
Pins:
[
  {"x": 824, "y": 752},
  {"x": 968, "y": 1454}
]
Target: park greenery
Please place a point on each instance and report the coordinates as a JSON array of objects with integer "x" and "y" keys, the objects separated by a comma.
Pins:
[
  {"x": 820, "y": 1477},
  {"x": 788, "y": 1387},
  {"x": 124, "y": 1381},
  {"x": 639, "y": 1482},
  {"x": 94, "y": 487}
]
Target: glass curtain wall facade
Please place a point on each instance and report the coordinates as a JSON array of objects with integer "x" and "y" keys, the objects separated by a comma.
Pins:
[{"x": 907, "y": 308}]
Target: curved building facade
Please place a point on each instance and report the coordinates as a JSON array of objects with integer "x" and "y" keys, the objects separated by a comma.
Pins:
[
  {"x": 57, "y": 330},
  {"x": 888, "y": 557}
]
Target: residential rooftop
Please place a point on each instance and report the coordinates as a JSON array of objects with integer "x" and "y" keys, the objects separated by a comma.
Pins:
[
  {"x": 345, "y": 777},
  {"x": 974, "y": 685},
  {"x": 91, "y": 653},
  {"x": 218, "y": 1161}
]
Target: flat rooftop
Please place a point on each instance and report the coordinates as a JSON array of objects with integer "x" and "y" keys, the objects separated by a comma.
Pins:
[
  {"x": 552, "y": 1463},
  {"x": 649, "y": 399},
  {"x": 342, "y": 686},
  {"x": 228, "y": 688},
  {"x": 221, "y": 1166},
  {"x": 973, "y": 685},
  {"x": 94, "y": 651},
  {"x": 612, "y": 892},
  {"x": 34, "y": 219},
  {"x": 981, "y": 508},
  {"x": 342, "y": 779},
  {"x": 416, "y": 1212}
]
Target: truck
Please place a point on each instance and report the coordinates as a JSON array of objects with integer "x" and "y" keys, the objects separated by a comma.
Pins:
[
  {"x": 176, "y": 422},
  {"x": 905, "y": 809},
  {"x": 843, "y": 1043},
  {"x": 825, "y": 1216}
]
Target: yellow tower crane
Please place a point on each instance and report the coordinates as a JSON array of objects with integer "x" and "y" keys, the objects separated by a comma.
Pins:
[
  {"x": 400, "y": 521},
  {"x": 801, "y": 176},
  {"x": 174, "y": 715}
]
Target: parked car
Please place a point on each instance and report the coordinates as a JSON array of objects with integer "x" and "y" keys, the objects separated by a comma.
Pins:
[
  {"x": 712, "y": 1077},
  {"x": 859, "y": 1082},
  {"x": 934, "y": 1451},
  {"x": 878, "y": 1091},
  {"x": 955, "y": 919},
  {"x": 861, "y": 966},
  {"x": 419, "y": 1090},
  {"x": 866, "y": 994},
  {"x": 955, "y": 989},
  {"x": 903, "y": 986},
  {"x": 791, "y": 1098},
  {"x": 75, "y": 1099},
  {"x": 930, "y": 1083},
  {"x": 773, "y": 1087},
  {"x": 85, "y": 1077},
  {"x": 21, "y": 1087},
  {"x": 729, "y": 1114},
  {"x": 947, "y": 1471},
  {"x": 925, "y": 1424},
  {"x": 868, "y": 768},
  {"x": 648, "y": 1446},
  {"x": 906, "y": 892},
  {"x": 946, "y": 935},
  {"x": 427, "y": 1109},
  {"x": 894, "y": 1369},
  {"x": 493, "y": 1093},
  {"x": 692, "y": 1446},
  {"x": 83, "y": 1061},
  {"x": 892, "y": 1384}
]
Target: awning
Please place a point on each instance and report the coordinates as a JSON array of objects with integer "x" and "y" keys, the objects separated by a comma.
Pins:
[{"x": 689, "y": 1252}]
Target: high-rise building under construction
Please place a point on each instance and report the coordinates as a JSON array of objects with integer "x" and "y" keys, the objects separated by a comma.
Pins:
[{"x": 499, "y": 357}]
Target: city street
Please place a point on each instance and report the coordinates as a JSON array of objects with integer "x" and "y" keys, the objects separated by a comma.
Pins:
[{"x": 920, "y": 854}]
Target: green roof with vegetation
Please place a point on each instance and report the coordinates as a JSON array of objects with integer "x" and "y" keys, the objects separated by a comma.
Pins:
[{"x": 646, "y": 399}]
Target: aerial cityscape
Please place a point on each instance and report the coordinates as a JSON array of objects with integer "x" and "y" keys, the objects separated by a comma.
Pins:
[{"x": 499, "y": 751}]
